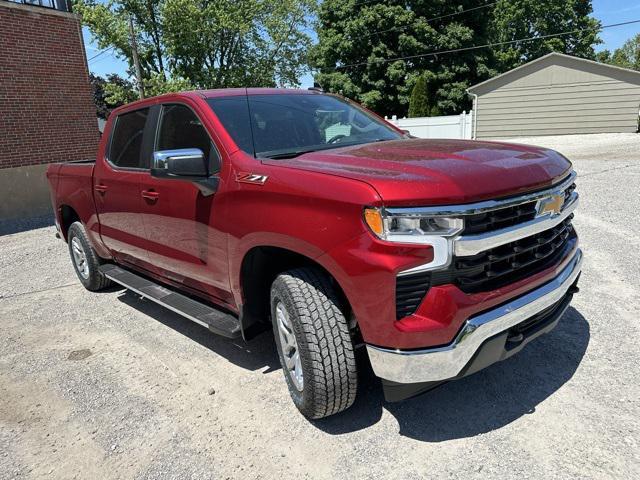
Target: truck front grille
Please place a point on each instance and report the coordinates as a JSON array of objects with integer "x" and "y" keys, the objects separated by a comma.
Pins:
[
  {"x": 509, "y": 263},
  {"x": 504, "y": 217},
  {"x": 490, "y": 269},
  {"x": 497, "y": 219},
  {"x": 496, "y": 267}
]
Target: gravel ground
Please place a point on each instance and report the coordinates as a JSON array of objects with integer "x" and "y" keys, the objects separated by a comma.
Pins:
[
  {"x": 604, "y": 146},
  {"x": 111, "y": 386}
]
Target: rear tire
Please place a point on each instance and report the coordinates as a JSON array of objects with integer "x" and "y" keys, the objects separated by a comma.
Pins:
[
  {"x": 85, "y": 261},
  {"x": 314, "y": 344}
]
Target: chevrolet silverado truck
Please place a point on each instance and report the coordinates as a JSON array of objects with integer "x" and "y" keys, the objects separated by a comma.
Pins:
[{"x": 300, "y": 211}]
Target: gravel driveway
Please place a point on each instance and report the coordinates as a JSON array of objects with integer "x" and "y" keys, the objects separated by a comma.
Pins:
[{"x": 107, "y": 385}]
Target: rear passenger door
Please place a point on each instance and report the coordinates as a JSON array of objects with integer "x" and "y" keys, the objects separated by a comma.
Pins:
[
  {"x": 117, "y": 195},
  {"x": 185, "y": 239}
]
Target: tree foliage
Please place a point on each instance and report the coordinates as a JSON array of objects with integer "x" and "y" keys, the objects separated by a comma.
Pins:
[
  {"x": 420, "y": 102},
  {"x": 110, "y": 92},
  {"x": 205, "y": 43},
  {"x": 627, "y": 56},
  {"x": 518, "y": 19},
  {"x": 357, "y": 40}
]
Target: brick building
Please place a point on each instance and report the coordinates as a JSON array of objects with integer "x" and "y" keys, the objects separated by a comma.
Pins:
[{"x": 46, "y": 107}]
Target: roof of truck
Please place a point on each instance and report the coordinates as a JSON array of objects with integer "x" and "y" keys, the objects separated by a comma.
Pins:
[
  {"x": 220, "y": 92},
  {"x": 229, "y": 92}
]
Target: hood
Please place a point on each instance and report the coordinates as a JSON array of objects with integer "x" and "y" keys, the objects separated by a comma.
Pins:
[{"x": 438, "y": 172}]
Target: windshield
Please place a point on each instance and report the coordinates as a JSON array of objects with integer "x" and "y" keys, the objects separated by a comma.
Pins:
[{"x": 286, "y": 125}]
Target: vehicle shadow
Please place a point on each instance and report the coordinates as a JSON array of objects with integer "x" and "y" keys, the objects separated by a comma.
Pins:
[
  {"x": 480, "y": 403},
  {"x": 18, "y": 225},
  {"x": 254, "y": 355}
]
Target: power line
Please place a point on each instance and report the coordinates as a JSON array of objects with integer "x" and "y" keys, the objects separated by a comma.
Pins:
[
  {"x": 404, "y": 27},
  {"x": 365, "y": 2},
  {"x": 100, "y": 53},
  {"x": 95, "y": 62},
  {"x": 476, "y": 47}
]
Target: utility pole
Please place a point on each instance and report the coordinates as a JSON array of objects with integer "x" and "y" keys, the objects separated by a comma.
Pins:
[{"x": 136, "y": 60}]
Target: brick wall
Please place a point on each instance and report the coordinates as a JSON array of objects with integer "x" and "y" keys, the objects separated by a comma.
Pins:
[{"x": 46, "y": 106}]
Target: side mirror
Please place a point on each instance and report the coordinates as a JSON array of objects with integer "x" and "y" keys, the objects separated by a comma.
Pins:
[
  {"x": 407, "y": 134},
  {"x": 181, "y": 164},
  {"x": 185, "y": 164}
]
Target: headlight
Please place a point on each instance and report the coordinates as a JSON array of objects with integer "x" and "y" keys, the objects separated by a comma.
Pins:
[{"x": 417, "y": 228}]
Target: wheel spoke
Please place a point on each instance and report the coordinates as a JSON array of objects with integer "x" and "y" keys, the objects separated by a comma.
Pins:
[
  {"x": 284, "y": 332},
  {"x": 298, "y": 364},
  {"x": 79, "y": 257},
  {"x": 289, "y": 346},
  {"x": 290, "y": 362}
]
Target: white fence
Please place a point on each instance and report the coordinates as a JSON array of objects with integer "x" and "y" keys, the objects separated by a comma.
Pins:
[{"x": 450, "y": 126}]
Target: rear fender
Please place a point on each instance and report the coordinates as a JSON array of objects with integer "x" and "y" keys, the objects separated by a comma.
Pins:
[{"x": 75, "y": 190}]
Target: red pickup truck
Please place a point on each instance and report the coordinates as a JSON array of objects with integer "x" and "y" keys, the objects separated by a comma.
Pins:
[{"x": 243, "y": 207}]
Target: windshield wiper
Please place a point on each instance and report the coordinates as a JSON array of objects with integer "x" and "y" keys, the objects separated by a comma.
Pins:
[
  {"x": 284, "y": 155},
  {"x": 295, "y": 153}
]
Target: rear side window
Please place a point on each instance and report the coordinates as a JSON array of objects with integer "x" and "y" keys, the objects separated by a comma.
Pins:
[
  {"x": 126, "y": 142},
  {"x": 181, "y": 128}
]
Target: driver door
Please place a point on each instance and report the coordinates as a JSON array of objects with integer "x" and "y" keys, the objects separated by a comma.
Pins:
[{"x": 184, "y": 238}]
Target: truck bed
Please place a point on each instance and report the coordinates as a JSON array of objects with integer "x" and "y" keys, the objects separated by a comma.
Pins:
[{"x": 71, "y": 183}]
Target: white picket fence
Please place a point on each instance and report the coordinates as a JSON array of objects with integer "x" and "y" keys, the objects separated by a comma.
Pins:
[{"x": 450, "y": 126}]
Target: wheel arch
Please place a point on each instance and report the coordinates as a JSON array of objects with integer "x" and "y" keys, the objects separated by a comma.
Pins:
[
  {"x": 260, "y": 266},
  {"x": 68, "y": 215}
]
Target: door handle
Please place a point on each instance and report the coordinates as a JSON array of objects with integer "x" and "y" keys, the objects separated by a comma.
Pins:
[
  {"x": 100, "y": 188},
  {"x": 150, "y": 195}
]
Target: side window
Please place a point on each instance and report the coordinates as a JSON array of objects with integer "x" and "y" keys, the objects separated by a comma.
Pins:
[
  {"x": 181, "y": 128},
  {"x": 126, "y": 141},
  {"x": 233, "y": 112}
]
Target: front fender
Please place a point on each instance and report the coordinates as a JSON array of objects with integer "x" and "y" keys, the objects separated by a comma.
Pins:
[{"x": 308, "y": 213}]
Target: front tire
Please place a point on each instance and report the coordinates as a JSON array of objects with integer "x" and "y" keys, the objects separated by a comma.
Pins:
[
  {"x": 85, "y": 260},
  {"x": 314, "y": 344}
]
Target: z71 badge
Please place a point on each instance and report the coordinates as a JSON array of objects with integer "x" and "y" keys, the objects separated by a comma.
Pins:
[{"x": 254, "y": 178}]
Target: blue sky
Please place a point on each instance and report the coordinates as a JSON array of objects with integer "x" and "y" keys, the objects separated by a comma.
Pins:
[{"x": 607, "y": 11}]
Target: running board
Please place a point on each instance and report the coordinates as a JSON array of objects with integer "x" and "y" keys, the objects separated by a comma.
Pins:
[{"x": 215, "y": 320}]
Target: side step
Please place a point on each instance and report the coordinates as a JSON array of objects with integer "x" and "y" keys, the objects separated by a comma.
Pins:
[{"x": 215, "y": 320}]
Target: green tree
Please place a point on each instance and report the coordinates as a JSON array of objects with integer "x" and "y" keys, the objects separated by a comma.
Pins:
[
  {"x": 420, "y": 103},
  {"x": 110, "y": 93},
  {"x": 374, "y": 51},
  {"x": 119, "y": 91},
  {"x": 627, "y": 56},
  {"x": 356, "y": 41},
  {"x": 519, "y": 19},
  {"x": 97, "y": 87},
  {"x": 217, "y": 43},
  {"x": 108, "y": 23},
  {"x": 205, "y": 43},
  {"x": 603, "y": 56}
]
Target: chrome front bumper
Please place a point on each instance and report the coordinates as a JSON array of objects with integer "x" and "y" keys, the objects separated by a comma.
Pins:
[{"x": 443, "y": 363}]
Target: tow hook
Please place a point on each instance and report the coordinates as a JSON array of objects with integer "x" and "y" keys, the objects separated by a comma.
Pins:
[{"x": 515, "y": 338}]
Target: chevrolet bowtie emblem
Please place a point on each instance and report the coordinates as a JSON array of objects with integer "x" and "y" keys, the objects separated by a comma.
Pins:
[{"x": 551, "y": 205}]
